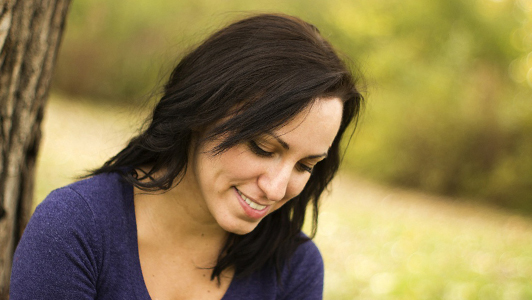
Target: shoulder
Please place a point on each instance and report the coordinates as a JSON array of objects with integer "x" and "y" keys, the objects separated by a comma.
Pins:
[
  {"x": 74, "y": 210},
  {"x": 101, "y": 186},
  {"x": 61, "y": 210},
  {"x": 302, "y": 277},
  {"x": 307, "y": 252},
  {"x": 60, "y": 243},
  {"x": 306, "y": 258},
  {"x": 102, "y": 196},
  {"x": 68, "y": 238},
  {"x": 88, "y": 207},
  {"x": 80, "y": 201}
]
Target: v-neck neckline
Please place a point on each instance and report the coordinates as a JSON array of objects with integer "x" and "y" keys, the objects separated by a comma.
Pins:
[{"x": 129, "y": 197}]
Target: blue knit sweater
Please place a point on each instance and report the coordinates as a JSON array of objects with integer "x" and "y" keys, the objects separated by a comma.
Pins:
[{"x": 81, "y": 243}]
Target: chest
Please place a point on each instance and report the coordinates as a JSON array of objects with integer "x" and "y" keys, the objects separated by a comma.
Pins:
[{"x": 180, "y": 276}]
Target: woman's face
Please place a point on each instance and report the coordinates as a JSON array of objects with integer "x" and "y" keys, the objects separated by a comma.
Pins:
[{"x": 242, "y": 185}]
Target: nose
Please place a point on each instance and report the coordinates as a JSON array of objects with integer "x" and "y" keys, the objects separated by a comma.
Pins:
[{"x": 274, "y": 181}]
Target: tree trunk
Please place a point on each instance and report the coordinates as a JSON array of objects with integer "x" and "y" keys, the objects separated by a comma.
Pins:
[{"x": 30, "y": 34}]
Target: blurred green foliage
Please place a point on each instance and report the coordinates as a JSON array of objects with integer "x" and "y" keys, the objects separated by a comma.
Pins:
[
  {"x": 451, "y": 110},
  {"x": 449, "y": 81}
]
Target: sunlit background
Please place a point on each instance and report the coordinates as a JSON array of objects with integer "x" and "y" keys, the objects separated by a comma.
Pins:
[{"x": 435, "y": 197}]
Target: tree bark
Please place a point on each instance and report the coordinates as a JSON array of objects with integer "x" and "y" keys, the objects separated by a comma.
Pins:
[{"x": 30, "y": 34}]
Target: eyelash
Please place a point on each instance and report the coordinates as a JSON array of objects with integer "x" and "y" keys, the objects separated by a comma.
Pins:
[
  {"x": 258, "y": 150},
  {"x": 255, "y": 148},
  {"x": 304, "y": 168}
]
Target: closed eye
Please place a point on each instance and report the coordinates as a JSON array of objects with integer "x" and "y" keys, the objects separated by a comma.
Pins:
[
  {"x": 304, "y": 168},
  {"x": 255, "y": 148},
  {"x": 301, "y": 167}
]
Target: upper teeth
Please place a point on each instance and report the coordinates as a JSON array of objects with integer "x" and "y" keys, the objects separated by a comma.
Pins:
[{"x": 251, "y": 203}]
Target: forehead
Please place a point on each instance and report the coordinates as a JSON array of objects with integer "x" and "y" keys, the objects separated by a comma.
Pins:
[
  {"x": 317, "y": 124},
  {"x": 320, "y": 119}
]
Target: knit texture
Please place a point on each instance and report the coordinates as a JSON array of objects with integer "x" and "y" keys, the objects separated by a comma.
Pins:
[{"x": 81, "y": 243}]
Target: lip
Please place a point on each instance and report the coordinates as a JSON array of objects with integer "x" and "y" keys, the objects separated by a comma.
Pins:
[{"x": 250, "y": 212}]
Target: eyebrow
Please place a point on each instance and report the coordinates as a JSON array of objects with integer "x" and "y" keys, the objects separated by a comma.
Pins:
[{"x": 287, "y": 147}]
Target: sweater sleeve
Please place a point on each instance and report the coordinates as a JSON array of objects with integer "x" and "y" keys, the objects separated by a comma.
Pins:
[
  {"x": 56, "y": 257},
  {"x": 303, "y": 279}
]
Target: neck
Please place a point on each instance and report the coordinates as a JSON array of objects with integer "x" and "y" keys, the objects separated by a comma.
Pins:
[{"x": 177, "y": 217}]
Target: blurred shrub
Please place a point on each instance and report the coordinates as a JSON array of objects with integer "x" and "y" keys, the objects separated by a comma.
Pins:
[
  {"x": 119, "y": 50},
  {"x": 450, "y": 81},
  {"x": 444, "y": 115}
]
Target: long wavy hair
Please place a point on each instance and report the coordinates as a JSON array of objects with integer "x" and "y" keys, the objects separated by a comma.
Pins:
[{"x": 248, "y": 78}]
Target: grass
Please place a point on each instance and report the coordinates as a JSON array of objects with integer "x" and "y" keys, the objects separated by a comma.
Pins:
[
  {"x": 382, "y": 243},
  {"x": 377, "y": 242}
]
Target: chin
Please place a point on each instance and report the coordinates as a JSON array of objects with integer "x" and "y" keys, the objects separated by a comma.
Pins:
[{"x": 240, "y": 228}]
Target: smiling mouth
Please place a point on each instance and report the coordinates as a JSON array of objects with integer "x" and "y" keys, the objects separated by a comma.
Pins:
[{"x": 251, "y": 204}]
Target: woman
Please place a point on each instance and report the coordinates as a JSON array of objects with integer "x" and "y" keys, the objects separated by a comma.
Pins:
[{"x": 208, "y": 202}]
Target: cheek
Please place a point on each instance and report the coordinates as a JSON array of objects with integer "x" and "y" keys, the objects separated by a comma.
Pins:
[
  {"x": 238, "y": 163},
  {"x": 281, "y": 203},
  {"x": 227, "y": 160},
  {"x": 296, "y": 186},
  {"x": 293, "y": 190}
]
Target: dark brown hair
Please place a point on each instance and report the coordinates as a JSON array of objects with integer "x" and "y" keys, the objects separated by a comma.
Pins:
[{"x": 268, "y": 68}]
